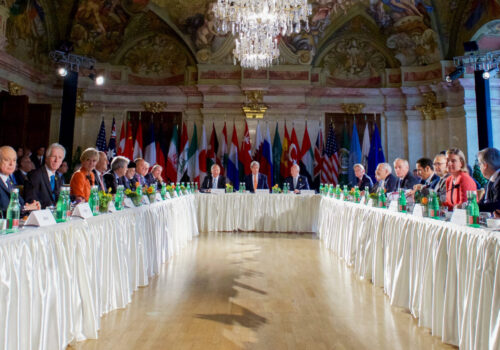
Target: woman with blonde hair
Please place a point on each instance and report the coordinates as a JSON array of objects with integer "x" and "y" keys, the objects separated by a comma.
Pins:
[
  {"x": 459, "y": 181},
  {"x": 83, "y": 179}
]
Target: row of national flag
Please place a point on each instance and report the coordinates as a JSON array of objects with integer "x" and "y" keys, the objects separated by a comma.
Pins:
[{"x": 188, "y": 160}]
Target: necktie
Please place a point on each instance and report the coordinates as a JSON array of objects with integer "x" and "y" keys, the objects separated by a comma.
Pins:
[
  {"x": 53, "y": 185},
  {"x": 254, "y": 182},
  {"x": 294, "y": 183},
  {"x": 13, "y": 179},
  {"x": 214, "y": 185},
  {"x": 101, "y": 179},
  {"x": 486, "y": 195},
  {"x": 9, "y": 184}
]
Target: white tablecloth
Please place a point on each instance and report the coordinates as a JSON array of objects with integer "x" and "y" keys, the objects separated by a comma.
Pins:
[
  {"x": 448, "y": 276},
  {"x": 57, "y": 282},
  {"x": 257, "y": 212}
]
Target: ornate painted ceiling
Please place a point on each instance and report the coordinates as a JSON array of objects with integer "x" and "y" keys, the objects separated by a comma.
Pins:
[{"x": 159, "y": 39}]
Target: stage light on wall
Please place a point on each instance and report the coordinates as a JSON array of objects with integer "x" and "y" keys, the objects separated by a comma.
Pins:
[
  {"x": 62, "y": 71},
  {"x": 99, "y": 80},
  {"x": 492, "y": 71},
  {"x": 455, "y": 74}
]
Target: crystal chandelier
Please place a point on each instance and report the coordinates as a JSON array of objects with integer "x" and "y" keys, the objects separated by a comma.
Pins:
[
  {"x": 255, "y": 50},
  {"x": 257, "y": 23}
]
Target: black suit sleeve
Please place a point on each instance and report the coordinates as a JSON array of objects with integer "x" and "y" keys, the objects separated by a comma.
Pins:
[
  {"x": 109, "y": 182},
  {"x": 222, "y": 182}
]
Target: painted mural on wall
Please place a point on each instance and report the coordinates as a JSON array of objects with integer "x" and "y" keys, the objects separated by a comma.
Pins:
[
  {"x": 488, "y": 36},
  {"x": 27, "y": 31},
  {"x": 408, "y": 27},
  {"x": 354, "y": 62},
  {"x": 479, "y": 9},
  {"x": 158, "y": 55}
]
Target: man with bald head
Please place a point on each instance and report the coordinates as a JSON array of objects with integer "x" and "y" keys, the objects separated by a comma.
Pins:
[
  {"x": 296, "y": 182},
  {"x": 385, "y": 179},
  {"x": 8, "y": 159},
  {"x": 141, "y": 170},
  {"x": 402, "y": 170}
]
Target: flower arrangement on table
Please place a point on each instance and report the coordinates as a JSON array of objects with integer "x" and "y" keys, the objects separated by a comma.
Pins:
[
  {"x": 183, "y": 189},
  {"x": 104, "y": 199},
  {"x": 171, "y": 190},
  {"x": 134, "y": 196},
  {"x": 276, "y": 189},
  {"x": 374, "y": 198},
  {"x": 424, "y": 201},
  {"x": 151, "y": 193},
  {"x": 229, "y": 188}
]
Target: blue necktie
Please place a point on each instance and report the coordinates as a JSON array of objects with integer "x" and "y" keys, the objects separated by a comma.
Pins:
[{"x": 53, "y": 185}]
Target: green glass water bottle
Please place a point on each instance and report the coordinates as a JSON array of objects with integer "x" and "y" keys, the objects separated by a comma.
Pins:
[
  {"x": 473, "y": 211},
  {"x": 13, "y": 212},
  {"x": 402, "y": 204},
  {"x": 61, "y": 211}
]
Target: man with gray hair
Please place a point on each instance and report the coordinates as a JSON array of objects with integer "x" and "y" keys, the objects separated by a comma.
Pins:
[
  {"x": 116, "y": 175},
  {"x": 44, "y": 184},
  {"x": 489, "y": 163},
  {"x": 386, "y": 179},
  {"x": 296, "y": 182},
  {"x": 363, "y": 179},
  {"x": 402, "y": 170},
  {"x": 256, "y": 180},
  {"x": 214, "y": 180}
]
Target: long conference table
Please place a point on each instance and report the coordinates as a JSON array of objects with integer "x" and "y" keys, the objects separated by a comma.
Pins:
[{"x": 56, "y": 282}]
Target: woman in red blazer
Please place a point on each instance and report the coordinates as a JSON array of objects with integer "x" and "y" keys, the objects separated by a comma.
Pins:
[{"x": 460, "y": 181}]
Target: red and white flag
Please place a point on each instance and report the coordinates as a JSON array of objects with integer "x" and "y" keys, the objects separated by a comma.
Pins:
[
  {"x": 128, "y": 151},
  {"x": 246, "y": 151},
  {"x": 173, "y": 157},
  {"x": 293, "y": 150},
  {"x": 138, "y": 142},
  {"x": 121, "y": 143}
]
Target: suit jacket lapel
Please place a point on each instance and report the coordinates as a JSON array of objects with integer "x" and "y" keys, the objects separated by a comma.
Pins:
[
  {"x": 46, "y": 180},
  {"x": 3, "y": 187}
]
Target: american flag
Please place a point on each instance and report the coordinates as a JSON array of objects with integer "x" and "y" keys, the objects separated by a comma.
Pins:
[
  {"x": 100, "y": 144},
  {"x": 112, "y": 142},
  {"x": 318, "y": 156},
  {"x": 331, "y": 162}
]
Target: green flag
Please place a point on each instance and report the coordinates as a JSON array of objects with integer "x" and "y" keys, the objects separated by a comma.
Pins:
[
  {"x": 193, "y": 158},
  {"x": 277, "y": 149}
]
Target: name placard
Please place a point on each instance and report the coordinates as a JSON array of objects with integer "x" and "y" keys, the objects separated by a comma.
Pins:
[
  {"x": 261, "y": 191},
  {"x": 393, "y": 206},
  {"x": 145, "y": 200},
  {"x": 459, "y": 217},
  {"x": 418, "y": 211},
  {"x": 127, "y": 203},
  {"x": 307, "y": 192},
  {"x": 217, "y": 191},
  {"x": 83, "y": 211},
  {"x": 362, "y": 201},
  {"x": 370, "y": 202},
  {"x": 41, "y": 218},
  {"x": 111, "y": 208},
  {"x": 158, "y": 198}
]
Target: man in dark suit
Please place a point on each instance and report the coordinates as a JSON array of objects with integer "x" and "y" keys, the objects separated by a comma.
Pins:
[
  {"x": 385, "y": 179},
  {"x": 296, "y": 182},
  {"x": 214, "y": 180},
  {"x": 8, "y": 158},
  {"x": 116, "y": 176},
  {"x": 44, "y": 184},
  {"x": 489, "y": 163},
  {"x": 38, "y": 158},
  {"x": 429, "y": 179},
  {"x": 154, "y": 176},
  {"x": 402, "y": 170},
  {"x": 129, "y": 179},
  {"x": 100, "y": 169},
  {"x": 141, "y": 170},
  {"x": 363, "y": 179},
  {"x": 21, "y": 174},
  {"x": 256, "y": 180}
]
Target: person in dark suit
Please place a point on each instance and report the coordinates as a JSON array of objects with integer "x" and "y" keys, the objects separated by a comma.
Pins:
[
  {"x": 43, "y": 184},
  {"x": 141, "y": 170},
  {"x": 489, "y": 163},
  {"x": 214, "y": 180},
  {"x": 429, "y": 179},
  {"x": 100, "y": 169},
  {"x": 38, "y": 157},
  {"x": 256, "y": 180},
  {"x": 116, "y": 176},
  {"x": 21, "y": 174},
  {"x": 385, "y": 179},
  {"x": 296, "y": 182},
  {"x": 129, "y": 179},
  {"x": 363, "y": 179},
  {"x": 402, "y": 170},
  {"x": 154, "y": 177},
  {"x": 8, "y": 159}
]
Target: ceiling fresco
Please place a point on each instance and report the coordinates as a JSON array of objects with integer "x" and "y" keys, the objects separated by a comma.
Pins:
[{"x": 164, "y": 37}]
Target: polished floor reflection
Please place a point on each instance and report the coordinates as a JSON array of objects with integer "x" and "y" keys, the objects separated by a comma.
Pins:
[{"x": 259, "y": 291}]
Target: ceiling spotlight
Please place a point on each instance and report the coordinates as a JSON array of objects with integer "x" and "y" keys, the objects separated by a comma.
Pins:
[
  {"x": 487, "y": 74},
  {"x": 62, "y": 71},
  {"x": 99, "y": 80},
  {"x": 457, "y": 73}
]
